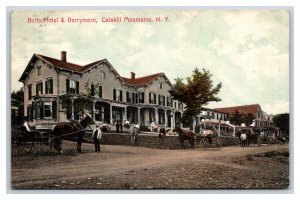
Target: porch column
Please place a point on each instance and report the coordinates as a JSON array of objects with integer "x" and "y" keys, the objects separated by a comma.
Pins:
[
  {"x": 72, "y": 102},
  {"x": 156, "y": 116},
  {"x": 166, "y": 119},
  {"x": 93, "y": 117},
  {"x": 110, "y": 114},
  {"x": 125, "y": 113},
  {"x": 139, "y": 115},
  {"x": 172, "y": 119}
]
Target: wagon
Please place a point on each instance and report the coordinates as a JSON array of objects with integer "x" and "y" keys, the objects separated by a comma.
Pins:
[{"x": 208, "y": 138}]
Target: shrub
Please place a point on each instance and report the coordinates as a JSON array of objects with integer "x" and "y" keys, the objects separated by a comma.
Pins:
[
  {"x": 197, "y": 128},
  {"x": 144, "y": 128}
]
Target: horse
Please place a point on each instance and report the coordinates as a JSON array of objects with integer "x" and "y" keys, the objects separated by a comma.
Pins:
[
  {"x": 252, "y": 136},
  {"x": 185, "y": 135},
  {"x": 69, "y": 131}
]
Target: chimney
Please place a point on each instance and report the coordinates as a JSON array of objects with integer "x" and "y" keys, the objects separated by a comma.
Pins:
[
  {"x": 132, "y": 75},
  {"x": 63, "y": 56}
]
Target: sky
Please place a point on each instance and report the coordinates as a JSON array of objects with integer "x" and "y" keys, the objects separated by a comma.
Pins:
[{"x": 246, "y": 50}]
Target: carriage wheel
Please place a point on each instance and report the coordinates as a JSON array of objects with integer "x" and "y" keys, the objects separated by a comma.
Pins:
[
  {"x": 23, "y": 147},
  {"x": 47, "y": 145},
  {"x": 217, "y": 143},
  {"x": 204, "y": 143}
]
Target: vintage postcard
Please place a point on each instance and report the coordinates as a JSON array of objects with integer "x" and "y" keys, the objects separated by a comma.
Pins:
[{"x": 150, "y": 99}]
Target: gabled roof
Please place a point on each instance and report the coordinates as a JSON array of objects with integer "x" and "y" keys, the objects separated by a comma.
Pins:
[
  {"x": 61, "y": 64},
  {"x": 253, "y": 108},
  {"x": 56, "y": 63},
  {"x": 145, "y": 80}
]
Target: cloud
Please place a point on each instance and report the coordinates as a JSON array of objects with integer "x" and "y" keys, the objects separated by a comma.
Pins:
[{"x": 282, "y": 106}]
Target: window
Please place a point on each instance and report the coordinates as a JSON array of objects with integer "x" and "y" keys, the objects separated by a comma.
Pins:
[
  {"x": 161, "y": 100},
  {"x": 39, "y": 70},
  {"x": 96, "y": 91},
  {"x": 99, "y": 112},
  {"x": 49, "y": 86},
  {"x": 141, "y": 97},
  {"x": 47, "y": 109},
  {"x": 168, "y": 101},
  {"x": 72, "y": 87},
  {"x": 152, "y": 98},
  {"x": 29, "y": 91},
  {"x": 129, "y": 97},
  {"x": 117, "y": 95},
  {"x": 102, "y": 74},
  {"x": 160, "y": 85},
  {"x": 39, "y": 88}
]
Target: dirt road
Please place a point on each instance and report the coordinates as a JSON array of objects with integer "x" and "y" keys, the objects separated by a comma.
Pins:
[{"x": 126, "y": 167}]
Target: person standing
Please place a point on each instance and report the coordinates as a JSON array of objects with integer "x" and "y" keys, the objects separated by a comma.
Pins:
[
  {"x": 133, "y": 133},
  {"x": 97, "y": 134}
]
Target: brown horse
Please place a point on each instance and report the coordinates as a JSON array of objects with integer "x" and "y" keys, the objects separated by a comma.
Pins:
[
  {"x": 185, "y": 135},
  {"x": 70, "y": 131}
]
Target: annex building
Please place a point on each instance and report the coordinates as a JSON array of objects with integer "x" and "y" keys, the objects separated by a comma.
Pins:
[
  {"x": 219, "y": 118},
  {"x": 54, "y": 87}
]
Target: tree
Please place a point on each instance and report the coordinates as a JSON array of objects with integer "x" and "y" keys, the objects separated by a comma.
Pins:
[
  {"x": 196, "y": 92},
  {"x": 248, "y": 118},
  {"x": 236, "y": 118},
  {"x": 17, "y": 100},
  {"x": 82, "y": 103},
  {"x": 282, "y": 122},
  {"x": 18, "y": 95}
]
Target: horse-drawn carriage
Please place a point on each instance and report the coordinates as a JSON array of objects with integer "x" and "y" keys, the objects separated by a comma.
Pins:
[
  {"x": 24, "y": 142},
  {"x": 208, "y": 138}
]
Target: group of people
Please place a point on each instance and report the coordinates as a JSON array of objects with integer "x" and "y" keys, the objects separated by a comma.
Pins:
[{"x": 97, "y": 134}]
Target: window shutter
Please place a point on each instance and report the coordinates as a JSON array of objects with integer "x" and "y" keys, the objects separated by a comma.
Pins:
[
  {"x": 67, "y": 85},
  {"x": 154, "y": 98},
  {"x": 149, "y": 97},
  {"x": 100, "y": 91},
  {"x": 51, "y": 86},
  {"x": 164, "y": 101},
  {"x": 77, "y": 87},
  {"x": 92, "y": 90},
  {"x": 133, "y": 98},
  {"x": 142, "y": 97},
  {"x": 36, "y": 89},
  {"x": 41, "y": 110},
  {"x": 159, "y": 98},
  {"x": 41, "y": 87},
  {"x": 114, "y": 94},
  {"x": 46, "y": 92},
  {"x": 54, "y": 107},
  {"x": 127, "y": 96},
  {"x": 121, "y": 95}
]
